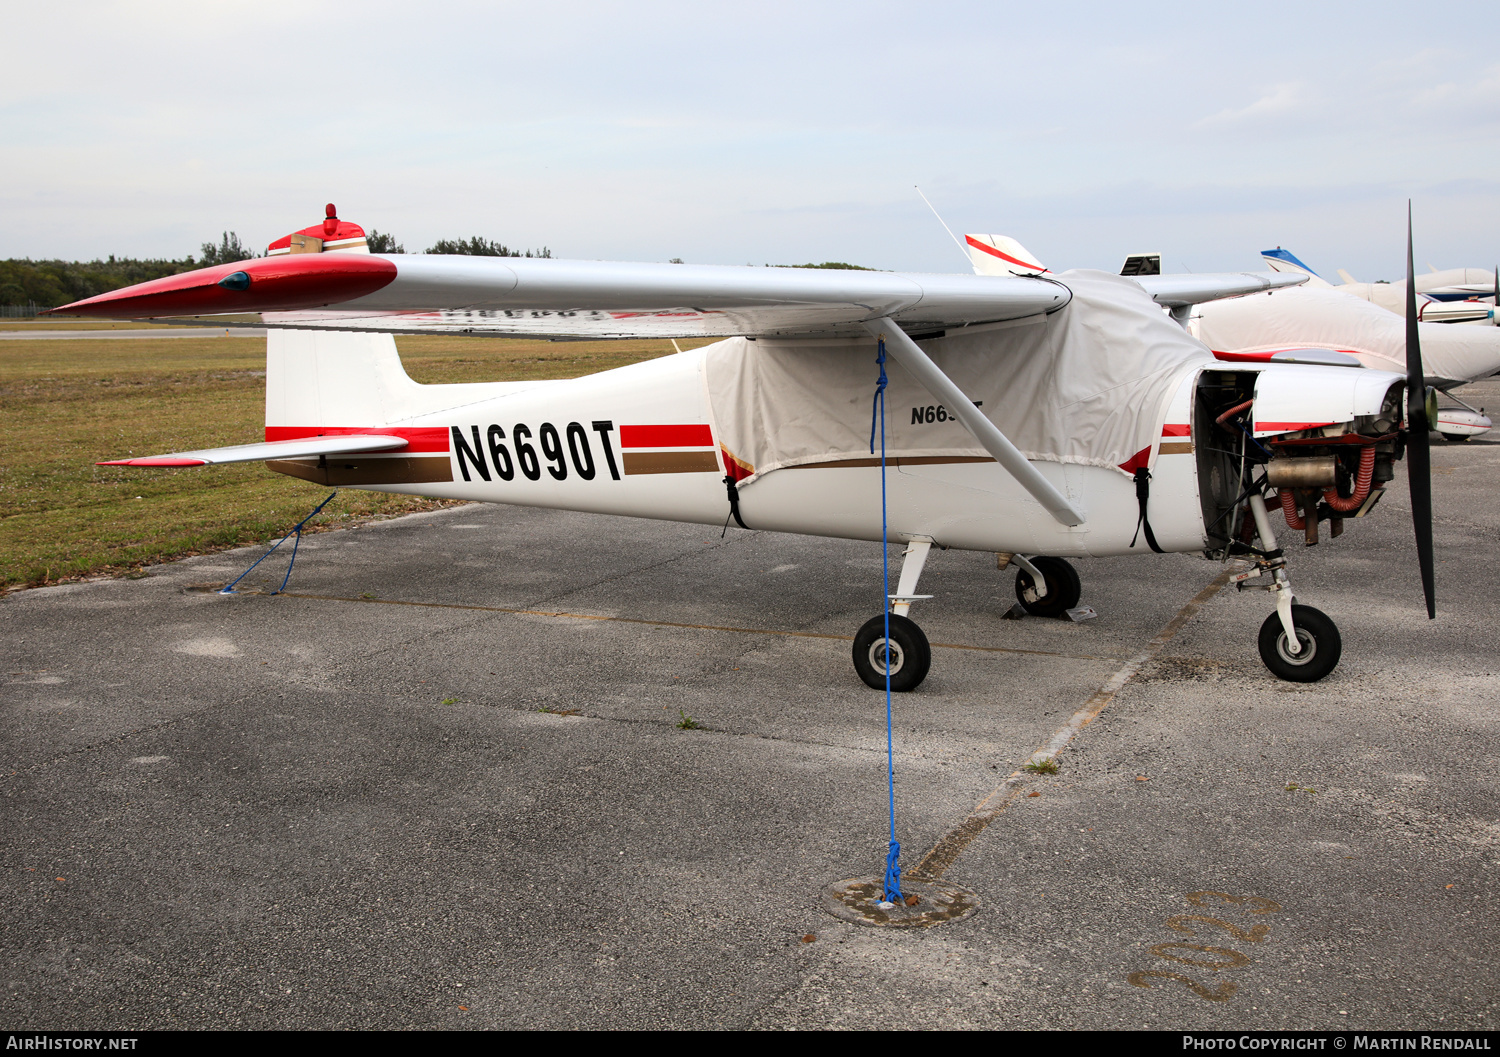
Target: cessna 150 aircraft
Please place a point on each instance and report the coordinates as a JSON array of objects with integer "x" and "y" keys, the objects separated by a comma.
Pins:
[{"x": 1041, "y": 416}]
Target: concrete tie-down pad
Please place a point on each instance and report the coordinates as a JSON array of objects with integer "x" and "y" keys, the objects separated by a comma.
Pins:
[{"x": 333, "y": 808}]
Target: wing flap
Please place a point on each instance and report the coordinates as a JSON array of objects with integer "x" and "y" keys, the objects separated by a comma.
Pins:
[{"x": 276, "y": 449}]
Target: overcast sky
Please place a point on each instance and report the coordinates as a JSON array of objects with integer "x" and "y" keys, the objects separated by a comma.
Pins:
[{"x": 772, "y": 132}]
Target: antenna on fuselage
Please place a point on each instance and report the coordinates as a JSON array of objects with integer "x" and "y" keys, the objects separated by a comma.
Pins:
[{"x": 946, "y": 228}]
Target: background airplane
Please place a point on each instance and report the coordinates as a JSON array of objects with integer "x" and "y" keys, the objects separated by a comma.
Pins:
[
  {"x": 1316, "y": 323},
  {"x": 1455, "y": 295},
  {"x": 1365, "y": 321}
]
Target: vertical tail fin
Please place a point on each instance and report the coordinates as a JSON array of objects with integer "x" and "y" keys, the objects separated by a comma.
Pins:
[
  {"x": 336, "y": 378},
  {"x": 1001, "y": 255},
  {"x": 1280, "y": 260}
]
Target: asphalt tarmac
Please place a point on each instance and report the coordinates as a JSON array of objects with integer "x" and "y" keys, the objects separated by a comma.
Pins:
[{"x": 443, "y": 784}]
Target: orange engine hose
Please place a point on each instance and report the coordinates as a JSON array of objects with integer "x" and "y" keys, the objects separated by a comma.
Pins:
[
  {"x": 1226, "y": 416},
  {"x": 1361, "y": 485},
  {"x": 1289, "y": 508}
]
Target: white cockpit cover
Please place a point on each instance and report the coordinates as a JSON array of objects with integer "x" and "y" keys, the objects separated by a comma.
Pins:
[{"x": 1089, "y": 384}]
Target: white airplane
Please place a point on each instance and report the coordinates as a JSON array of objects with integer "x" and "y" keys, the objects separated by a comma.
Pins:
[
  {"x": 1287, "y": 324},
  {"x": 1455, "y": 295},
  {"x": 1038, "y": 417}
]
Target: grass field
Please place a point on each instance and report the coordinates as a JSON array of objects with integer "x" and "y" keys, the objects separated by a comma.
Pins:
[{"x": 67, "y": 404}]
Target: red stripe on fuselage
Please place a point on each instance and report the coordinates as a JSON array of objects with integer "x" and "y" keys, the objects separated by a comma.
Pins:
[
  {"x": 1288, "y": 427},
  {"x": 684, "y": 436},
  {"x": 418, "y": 439},
  {"x": 1171, "y": 430}
]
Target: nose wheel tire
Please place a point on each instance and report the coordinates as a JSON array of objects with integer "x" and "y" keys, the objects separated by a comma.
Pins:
[
  {"x": 1063, "y": 588},
  {"x": 907, "y": 653},
  {"x": 1316, "y": 634}
]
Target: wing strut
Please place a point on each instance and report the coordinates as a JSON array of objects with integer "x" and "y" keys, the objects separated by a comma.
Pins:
[{"x": 990, "y": 438}]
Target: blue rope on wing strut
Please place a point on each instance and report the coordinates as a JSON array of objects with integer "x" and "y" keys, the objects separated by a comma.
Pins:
[
  {"x": 228, "y": 589},
  {"x": 892, "y": 883}
]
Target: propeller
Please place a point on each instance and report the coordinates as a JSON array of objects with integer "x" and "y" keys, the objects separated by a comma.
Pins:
[{"x": 1418, "y": 428}]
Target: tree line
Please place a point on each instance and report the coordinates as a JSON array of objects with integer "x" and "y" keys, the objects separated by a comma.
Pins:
[{"x": 50, "y": 283}]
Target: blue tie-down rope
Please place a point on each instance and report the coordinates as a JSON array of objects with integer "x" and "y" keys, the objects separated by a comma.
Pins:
[
  {"x": 892, "y": 883},
  {"x": 228, "y": 589}
]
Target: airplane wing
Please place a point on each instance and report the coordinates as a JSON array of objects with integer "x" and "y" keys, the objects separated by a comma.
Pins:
[
  {"x": 572, "y": 299},
  {"x": 350, "y": 441},
  {"x": 417, "y": 293},
  {"x": 1176, "y": 291}
]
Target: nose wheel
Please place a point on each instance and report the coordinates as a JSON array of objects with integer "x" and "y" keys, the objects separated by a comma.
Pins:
[
  {"x": 1318, "y": 645},
  {"x": 1297, "y": 643}
]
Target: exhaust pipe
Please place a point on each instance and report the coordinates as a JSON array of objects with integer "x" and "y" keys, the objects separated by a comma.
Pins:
[{"x": 1317, "y": 472}]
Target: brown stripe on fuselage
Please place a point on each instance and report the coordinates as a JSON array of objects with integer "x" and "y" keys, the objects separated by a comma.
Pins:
[
  {"x": 365, "y": 470},
  {"x": 670, "y": 462},
  {"x": 915, "y": 460}
]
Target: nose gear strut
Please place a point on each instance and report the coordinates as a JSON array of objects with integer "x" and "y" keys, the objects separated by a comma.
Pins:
[{"x": 1297, "y": 643}]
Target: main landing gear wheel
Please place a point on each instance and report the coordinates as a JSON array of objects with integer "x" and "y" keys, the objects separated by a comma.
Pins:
[
  {"x": 1317, "y": 636},
  {"x": 907, "y": 654},
  {"x": 1454, "y": 438},
  {"x": 1063, "y": 588}
]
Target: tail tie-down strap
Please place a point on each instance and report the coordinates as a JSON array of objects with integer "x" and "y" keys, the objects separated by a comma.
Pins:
[
  {"x": 228, "y": 589},
  {"x": 1143, "y": 496}
]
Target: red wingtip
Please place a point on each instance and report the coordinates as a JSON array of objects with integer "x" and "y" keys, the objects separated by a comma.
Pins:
[
  {"x": 277, "y": 284},
  {"x": 157, "y": 461}
]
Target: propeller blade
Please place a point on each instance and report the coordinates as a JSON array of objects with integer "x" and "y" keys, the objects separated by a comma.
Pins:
[{"x": 1418, "y": 450}]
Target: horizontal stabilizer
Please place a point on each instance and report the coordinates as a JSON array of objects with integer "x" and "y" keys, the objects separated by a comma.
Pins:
[{"x": 276, "y": 449}]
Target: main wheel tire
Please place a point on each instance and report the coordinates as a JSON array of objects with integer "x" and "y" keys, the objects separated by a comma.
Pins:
[
  {"x": 1316, "y": 634},
  {"x": 1063, "y": 588},
  {"x": 909, "y": 654}
]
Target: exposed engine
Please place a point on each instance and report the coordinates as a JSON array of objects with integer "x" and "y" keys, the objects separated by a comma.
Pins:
[{"x": 1325, "y": 473}]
